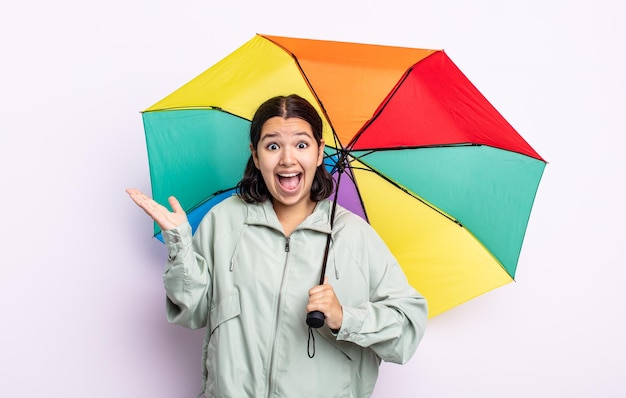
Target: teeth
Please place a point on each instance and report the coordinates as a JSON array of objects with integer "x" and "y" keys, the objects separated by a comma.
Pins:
[{"x": 289, "y": 175}]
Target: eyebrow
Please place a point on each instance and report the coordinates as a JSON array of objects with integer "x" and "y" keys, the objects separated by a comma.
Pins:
[{"x": 275, "y": 134}]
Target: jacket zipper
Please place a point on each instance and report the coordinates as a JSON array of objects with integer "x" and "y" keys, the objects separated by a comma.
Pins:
[{"x": 276, "y": 321}]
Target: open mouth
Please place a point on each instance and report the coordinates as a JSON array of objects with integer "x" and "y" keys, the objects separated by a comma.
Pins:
[{"x": 289, "y": 181}]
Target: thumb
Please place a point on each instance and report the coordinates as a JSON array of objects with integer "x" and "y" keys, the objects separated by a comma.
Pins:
[
  {"x": 325, "y": 280},
  {"x": 175, "y": 204}
]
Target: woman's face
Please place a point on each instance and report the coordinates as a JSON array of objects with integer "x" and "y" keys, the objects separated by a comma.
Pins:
[{"x": 288, "y": 155}]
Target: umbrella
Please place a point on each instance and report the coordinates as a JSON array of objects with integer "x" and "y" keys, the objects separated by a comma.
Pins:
[{"x": 436, "y": 170}]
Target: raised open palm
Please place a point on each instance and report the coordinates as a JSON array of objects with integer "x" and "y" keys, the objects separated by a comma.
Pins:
[{"x": 165, "y": 218}]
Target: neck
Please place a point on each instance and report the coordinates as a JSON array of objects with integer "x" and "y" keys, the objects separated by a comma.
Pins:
[{"x": 292, "y": 216}]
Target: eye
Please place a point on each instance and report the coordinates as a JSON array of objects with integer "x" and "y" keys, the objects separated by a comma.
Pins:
[
  {"x": 272, "y": 147},
  {"x": 302, "y": 145}
]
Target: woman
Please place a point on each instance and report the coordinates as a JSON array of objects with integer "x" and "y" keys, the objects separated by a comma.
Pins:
[{"x": 249, "y": 274}]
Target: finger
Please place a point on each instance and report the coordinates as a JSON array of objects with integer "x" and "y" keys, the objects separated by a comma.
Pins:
[
  {"x": 316, "y": 290},
  {"x": 148, "y": 205},
  {"x": 322, "y": 296},
  {"x": 176, "y": 207},
  {"x": 137, "y": 196},
  {"x": 132, "y": 192}
]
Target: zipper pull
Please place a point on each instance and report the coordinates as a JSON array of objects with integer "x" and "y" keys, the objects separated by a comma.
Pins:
[{"x": 287, "y": 244}]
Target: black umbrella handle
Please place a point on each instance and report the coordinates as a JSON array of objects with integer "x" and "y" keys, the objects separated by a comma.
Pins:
[{"x": 316, "y": 319}]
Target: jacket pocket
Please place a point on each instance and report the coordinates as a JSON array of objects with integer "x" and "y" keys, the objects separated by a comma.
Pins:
[{"x": 224, "y": 310}]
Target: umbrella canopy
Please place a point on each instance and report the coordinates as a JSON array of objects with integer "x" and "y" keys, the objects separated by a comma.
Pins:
[{"x": 444, "y": 179}]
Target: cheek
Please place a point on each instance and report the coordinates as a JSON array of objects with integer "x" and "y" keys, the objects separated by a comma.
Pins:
[{"x": 266, "y": 163}]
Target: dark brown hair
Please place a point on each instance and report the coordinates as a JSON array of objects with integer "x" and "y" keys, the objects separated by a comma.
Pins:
[{"x": 252, "y": 187}]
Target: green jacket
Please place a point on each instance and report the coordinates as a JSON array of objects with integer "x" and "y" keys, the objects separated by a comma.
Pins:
[{"x": 247, "y": 283}]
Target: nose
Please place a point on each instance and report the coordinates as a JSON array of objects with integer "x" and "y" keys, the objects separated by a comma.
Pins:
[{"x": 287, "y": 158}]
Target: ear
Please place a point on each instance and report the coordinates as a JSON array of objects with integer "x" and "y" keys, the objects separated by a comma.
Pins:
[
  {"x": 255, "y": 157},
  {"x": 320, "y": 155}
]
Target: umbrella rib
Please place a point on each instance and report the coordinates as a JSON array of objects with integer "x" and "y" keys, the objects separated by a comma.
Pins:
[
  {"x": 380, "y": 108},
  {"x": 208, "y": 198},
  {"x": 403, "y": 147},
  {"x": 435, "y": 146},
  {"x": 207, "y": 107},
  {"x": 403, "y": 189},
  {"x": 340, "y": 163},
  {"x": 358, "y": 191},
  {"x": 343, "y": 155},
  {"x": 308, "y": 83},
  {"x": 341, "y": 169}
]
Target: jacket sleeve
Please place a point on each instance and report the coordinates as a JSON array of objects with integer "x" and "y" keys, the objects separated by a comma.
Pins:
[
  {"x": 393, "y": 321},
  {"x": 186, "y": 279}
]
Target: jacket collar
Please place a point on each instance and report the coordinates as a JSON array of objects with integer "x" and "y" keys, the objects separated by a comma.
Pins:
[{"x": 264, "y": 214}]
